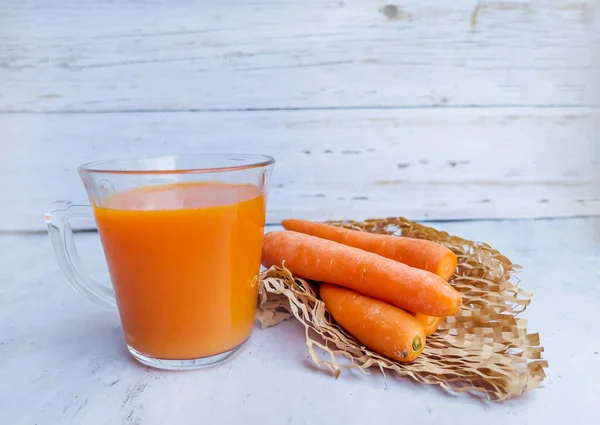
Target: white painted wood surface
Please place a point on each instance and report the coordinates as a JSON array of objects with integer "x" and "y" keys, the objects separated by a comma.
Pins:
[
  {"x": 341, "y": 164},
  {"x": 430, "y": 109},
  {"x": 65, "y": 362},
  {"x": 182, "y": 55}
]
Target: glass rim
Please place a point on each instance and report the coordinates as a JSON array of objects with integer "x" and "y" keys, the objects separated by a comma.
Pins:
[{"x": 252, "y": 161}]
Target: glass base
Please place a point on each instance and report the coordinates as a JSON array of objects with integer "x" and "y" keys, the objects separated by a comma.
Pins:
[{"x": 186, "y": 364}]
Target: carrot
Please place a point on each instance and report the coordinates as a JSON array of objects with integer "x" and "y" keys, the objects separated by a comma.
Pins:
[
  {"x": 386, "y": 329},
  {"x": 429, "y": 323},
  {"x": 370, "y": 274},
  {"x": 418, "y": 253}
]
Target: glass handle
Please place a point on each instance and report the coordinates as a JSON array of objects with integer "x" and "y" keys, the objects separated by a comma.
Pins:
[{"x": 60, "y": 227}]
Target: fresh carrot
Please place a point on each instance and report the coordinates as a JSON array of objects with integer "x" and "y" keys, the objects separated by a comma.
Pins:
[
  {"x": 386, "y": 329},
  {"x": 418, "y": 253},
  {"x": 370, "y": 274},
  {"x": 429, "y": 323}
]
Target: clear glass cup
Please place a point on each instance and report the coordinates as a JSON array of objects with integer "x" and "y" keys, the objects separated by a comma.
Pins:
[{"x": 182, "y": 238}]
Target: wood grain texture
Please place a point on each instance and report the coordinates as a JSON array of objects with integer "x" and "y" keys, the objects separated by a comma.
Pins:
[
  {"x": 427, "y": 163},
  {"x": 257, "y": 54},
  {"x": 68, "y": 360},
  {"x": 430, "y": 109}
]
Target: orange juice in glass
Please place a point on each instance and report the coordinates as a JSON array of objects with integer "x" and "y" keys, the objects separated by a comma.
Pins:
[{"x": 182, "y": 237}]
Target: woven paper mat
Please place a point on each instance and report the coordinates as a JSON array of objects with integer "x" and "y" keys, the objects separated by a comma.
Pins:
[{"x": 483, "y": 348}]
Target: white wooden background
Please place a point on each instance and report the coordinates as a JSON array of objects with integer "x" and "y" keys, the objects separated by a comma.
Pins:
[{"x": 429, "y": 109}]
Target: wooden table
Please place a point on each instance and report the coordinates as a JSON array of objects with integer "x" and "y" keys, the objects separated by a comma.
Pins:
[{"x": 64, "y": 361}]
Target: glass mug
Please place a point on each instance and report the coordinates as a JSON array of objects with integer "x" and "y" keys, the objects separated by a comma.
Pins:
[{"x": 182, "y": 237}]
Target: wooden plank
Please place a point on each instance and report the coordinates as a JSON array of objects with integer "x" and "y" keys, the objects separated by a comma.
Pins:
[
  {"x": 129, "y": 55},
  {"x": 424, "y": 164}
]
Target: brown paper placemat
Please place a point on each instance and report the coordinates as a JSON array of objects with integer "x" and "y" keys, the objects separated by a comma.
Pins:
[{"x": 483, "y": 348}]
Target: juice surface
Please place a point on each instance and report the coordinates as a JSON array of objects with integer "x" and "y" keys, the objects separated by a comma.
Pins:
[{"x": 184, "y": 261}]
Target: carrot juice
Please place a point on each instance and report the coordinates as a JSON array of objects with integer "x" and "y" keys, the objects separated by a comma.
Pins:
[{"x": 184, "y": 260}]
